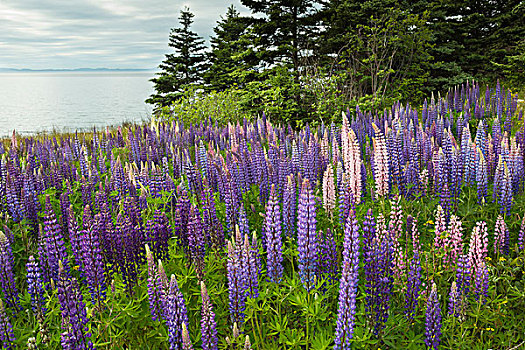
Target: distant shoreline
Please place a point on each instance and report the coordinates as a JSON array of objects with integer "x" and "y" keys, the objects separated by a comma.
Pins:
[{"x": 72, "y": 70}]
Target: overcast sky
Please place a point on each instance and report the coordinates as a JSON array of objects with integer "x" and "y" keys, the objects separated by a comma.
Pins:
[{"x": 41, "y": 34}]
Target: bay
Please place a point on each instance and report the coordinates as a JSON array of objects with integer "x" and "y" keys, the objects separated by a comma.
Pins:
[{"x": 68, "y": 101}]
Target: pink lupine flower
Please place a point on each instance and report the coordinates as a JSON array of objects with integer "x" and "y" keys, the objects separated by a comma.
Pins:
[
  {"x": 478, "y": 245},
  {"x": 381, "y": 171},
  {"x": 455, "y": 241},
  {"x": 329, "y": 190}
]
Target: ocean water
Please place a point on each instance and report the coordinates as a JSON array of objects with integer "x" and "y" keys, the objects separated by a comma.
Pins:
[{"x": 69, "y": 101}]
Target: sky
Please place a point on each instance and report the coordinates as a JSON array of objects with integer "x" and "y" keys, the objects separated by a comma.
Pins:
[{"x": 68, "y": 34}]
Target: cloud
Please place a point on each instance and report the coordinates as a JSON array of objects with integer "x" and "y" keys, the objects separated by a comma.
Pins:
[{"x": 40, "y": 34}]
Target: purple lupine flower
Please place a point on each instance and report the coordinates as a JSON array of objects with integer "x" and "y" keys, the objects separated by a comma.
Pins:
[
  {"x": 93, "y": 265},
  {"x": 505, "y": 195},
  {"x": 463, "y": 276},
  {"x": 35, "y": 286},
  {"x": 54, "y": 242},
  {"x": 7, "y": 279},
  {"x": 158, "y": 234},
  {"x": 250, "y": 254},
  {"x": 272, "y": 229},
  {"x": 208, "y": 324},
  {"x": 481, "y": 178},
  {"x": 307, "y": 244},
  {"x": 74, "y": 237},
  {"x": 413, "y": 285},
  {"x": 289, "y": 206},
  {"x": 156, "y": 289},
  {"x": 6, "y": 330},
  {"x": 236, "y": 285},
  {"x": 455, "y": 301},
  {"x": 75, "y": 333},
  {"x": 212, "y": 225},
  {"x": 348, "y": 285},
  {"x": 197, "y": 248},
  {"x": 327, "y": 255},
  {"x": 433, "y": 320},
  {"x": 481, "y": 278},
  {"x": 176, "y": 315}
]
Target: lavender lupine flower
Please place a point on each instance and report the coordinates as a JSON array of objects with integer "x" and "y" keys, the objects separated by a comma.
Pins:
[
  {"x": 501, "y": 237},
  {"x": 176, "y": 316},
  {"x": 93, "y": 266},
  {"x": 272, "y": 229},
  {"x": 76, "y": 333},
  {"x": 156, "y": 289},
  {"x": 236, "y": 285},
  {"x": 307, "y": 244},
  {"x": 6, "y": 330},
  {"x": 433, "y": 320},
  {"x": 348, "y": 285},
  {"x": 7, "y": 280},
  {"x": 35, "y": 286},
  {"x": 208, "y": 324}
]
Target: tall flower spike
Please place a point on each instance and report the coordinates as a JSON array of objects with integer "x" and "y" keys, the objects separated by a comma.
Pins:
[
  {"x": 381, "y": 170},
  {"x": 329, "y": 190},
  {"x": 208, "y": 325},
  {"x": 156, "y": 291},
  {"x": 93, "y": 263},
  {"x": 236, "y": 285},
  {"x": 501, "y": 237},
  {"x": 307, "y": 243},
  {"x": 186, "y": 341},
  {"x": 433, "y": 320},
  {"x": 521, "y": 235},
  {"x": 176, "y": 316},
  {"x": 7, "y": 280},
  {"x": 54, "y": 242},
  {"x": 348, "y": 285},
  {"x": 6, "y": 330},
  {"x": 35, "y": 286},
  {"x": 76, "y": 333},
  {"x": 272, "y": 229},
  {"x": 351, "y": 158}
]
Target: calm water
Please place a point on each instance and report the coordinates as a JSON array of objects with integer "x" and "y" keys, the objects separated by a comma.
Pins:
[{"x": 33, "y": 102}]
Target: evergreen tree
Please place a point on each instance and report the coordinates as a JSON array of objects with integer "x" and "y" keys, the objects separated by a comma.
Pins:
[
  {"x": 184, "y": 67},
  {"x": 286, "y": 29},
  {"x": 232, "y": 55}
]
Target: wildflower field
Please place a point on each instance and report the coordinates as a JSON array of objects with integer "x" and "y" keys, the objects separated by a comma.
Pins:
[{"x": 398, "y": 230}]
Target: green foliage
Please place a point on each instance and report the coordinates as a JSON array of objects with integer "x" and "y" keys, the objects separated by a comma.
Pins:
[{"x": 196, "y": 106}]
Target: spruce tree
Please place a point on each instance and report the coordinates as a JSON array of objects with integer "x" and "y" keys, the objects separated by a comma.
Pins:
[
  {"x": 232, "y": 55},
  {"x": 285, "y": 31},
  {"x": 183, "y": 68}
]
